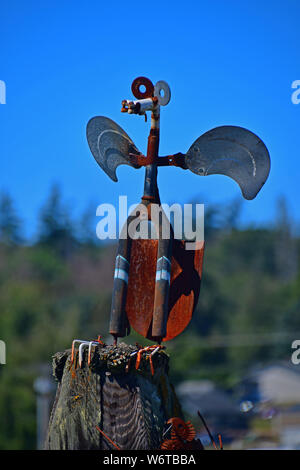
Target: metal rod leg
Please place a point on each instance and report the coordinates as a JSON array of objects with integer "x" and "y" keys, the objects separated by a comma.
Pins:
[{"x": 162, "y": 286}]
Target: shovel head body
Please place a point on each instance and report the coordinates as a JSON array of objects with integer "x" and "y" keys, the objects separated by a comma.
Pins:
[{"x": 186, "y": 273}]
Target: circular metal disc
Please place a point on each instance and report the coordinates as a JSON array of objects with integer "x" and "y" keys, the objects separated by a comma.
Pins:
[
  {"x": 162, "y": 92},
  {"x": 136, "y": 88}
]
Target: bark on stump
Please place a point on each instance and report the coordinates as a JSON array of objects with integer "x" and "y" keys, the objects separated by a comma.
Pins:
[{"x": 131, "y": 407}]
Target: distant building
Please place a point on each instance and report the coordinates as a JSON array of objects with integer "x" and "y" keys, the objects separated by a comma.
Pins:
[
  {"x": 217, "y": 407},
  {"x": 275, "y": 388},
  {"x": 278, "y": 383}
]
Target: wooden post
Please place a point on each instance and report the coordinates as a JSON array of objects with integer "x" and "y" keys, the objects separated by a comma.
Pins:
[{"x": 130, "y": 406}]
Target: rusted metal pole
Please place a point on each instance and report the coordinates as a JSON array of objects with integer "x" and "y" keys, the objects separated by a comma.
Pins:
[
  {"x": 164, "y": 251},
  {"x": 118, "y": 321}
]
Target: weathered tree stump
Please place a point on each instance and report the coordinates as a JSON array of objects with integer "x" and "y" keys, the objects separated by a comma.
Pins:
[{"x": 130, "y": 406}]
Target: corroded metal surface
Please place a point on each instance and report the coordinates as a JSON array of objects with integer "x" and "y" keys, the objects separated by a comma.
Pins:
[
  {"x": 140, "y": 294},
  {"x": 182, "y": 436},
  {"x": 186, "y": 277},
  {"x": 186, "y": 272},
  {"x": 136, "y": 88}
]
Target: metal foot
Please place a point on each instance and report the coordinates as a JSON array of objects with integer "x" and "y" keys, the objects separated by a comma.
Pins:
[{"x": 83, "y": 344}]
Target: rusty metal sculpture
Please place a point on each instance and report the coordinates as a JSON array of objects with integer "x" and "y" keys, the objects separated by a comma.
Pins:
[
  {"x": 157, "y": 281},
  {"x": 183, "y": 436}
]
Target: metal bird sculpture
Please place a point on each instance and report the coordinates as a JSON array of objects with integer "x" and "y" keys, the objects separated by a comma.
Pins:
[
  {"x": 156, "y": 281},
  {"x": 156, "y": 284}
]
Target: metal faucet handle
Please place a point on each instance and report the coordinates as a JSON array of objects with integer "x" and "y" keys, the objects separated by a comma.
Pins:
[
  {"x": 148, "y": 96},
  {"x": 139, "y": 106}
]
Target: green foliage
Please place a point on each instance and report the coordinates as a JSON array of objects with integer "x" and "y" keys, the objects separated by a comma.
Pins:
[
  {"x": 9, "y": 222},
  {"x": 59, "y": 288},
  {"x": 17, "y": 405},
  {"x": 56, "y": 229}
]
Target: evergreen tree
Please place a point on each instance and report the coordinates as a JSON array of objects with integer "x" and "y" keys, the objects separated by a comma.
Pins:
[
  {"x": 56, "y": 229},
  {"x": 285, "y": 243},
  {"x": 10, "y": 224},
  {"x": 87, "y": 226}
]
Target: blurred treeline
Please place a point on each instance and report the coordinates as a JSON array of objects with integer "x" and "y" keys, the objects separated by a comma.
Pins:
[{"x": 58, "y": 287}]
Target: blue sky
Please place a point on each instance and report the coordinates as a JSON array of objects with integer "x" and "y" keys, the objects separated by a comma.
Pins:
[{"x": 227, "y": 62}]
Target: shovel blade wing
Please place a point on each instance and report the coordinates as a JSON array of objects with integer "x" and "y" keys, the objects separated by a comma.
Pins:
[
  {"x": 232, "y": 151},
  {"x": 110, "y": 145}
]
